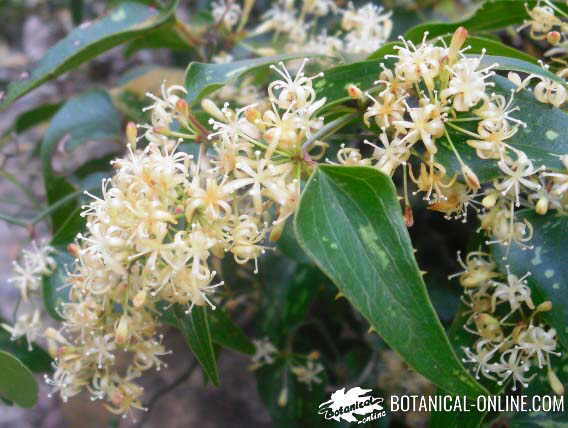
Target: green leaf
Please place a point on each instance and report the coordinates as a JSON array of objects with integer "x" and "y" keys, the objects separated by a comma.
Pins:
[
  {"x": 37, "y": 360},
  {"x": 301, "y": 405},
  {"x": 126, "y": 22},
  {"x": 514, "y": 64},
  {"x": 203, "y": 78},
  {"x": 547, "y": 264},
  {"x": 294, "y": 287},
  {"x": 87, "y": 117},
  {"x": 35, "y": 116},
  {"x": 544, "y": 140},
  {"x": 195, "y": 328},
  {"x": 350, "y": 223},
  {"x": 226, "y": 333},
  {"x": 473, "y": 418},
  {"x": 55, "y": 286},
  {"x": 334, "y": 82},
  {"x": 491, "y": 15},
  {"x": 17, "y": 383}
]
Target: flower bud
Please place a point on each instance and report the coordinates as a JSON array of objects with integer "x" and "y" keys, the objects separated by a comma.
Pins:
[
  {"x": 210, "y": 107},
  {"x": 488, "y": 327},
  {"x": 121, "y": 332},
  {"x": 182, "y": 107},
  {"x": 73, "y": 249},
  {"x": 458, "y": 39},
  {"x": 542, "y": 206},
  {"x": 408, "y": 216},
  {"x": 283, "y": 397},
  {"x": 544, "y": 306},
  {"x": 553, "y": 37},
  {"x": 470, "y": 178},
  {"x": 139, "y": 299},
  {"x": 490, "y": 200},
  {"x": 555, "y": 383},
  {"x": 131, "y": 134},
  {"x": 252, "y": 115},
  {"x": 314, "y": 355},
  {"x": 354, "y": 92}
]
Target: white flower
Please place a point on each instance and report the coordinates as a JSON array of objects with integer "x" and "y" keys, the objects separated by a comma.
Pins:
[
  {"x": 309, "y": 373},
  {"x": 264, "y": 352},
  {"x": 536, "y": 341},
  {"x": 512, "y": 365},
  {"x": 518, "y": 172},
  {"x": 28, "y": 325}
]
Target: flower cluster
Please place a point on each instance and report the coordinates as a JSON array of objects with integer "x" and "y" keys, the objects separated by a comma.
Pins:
[
  {"x": 546, "y": 22},
  {"x": 363, "y": 30},
  {"x": 306, "y": 369},
  {"x": 434, "y": 93},
  {"x": 35, "y": 262},
  {"x": 510, "y": 341},
  {"x": 162, "y": 218}
]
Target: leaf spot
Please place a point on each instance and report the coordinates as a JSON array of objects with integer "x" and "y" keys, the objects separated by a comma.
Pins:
[
  {"x": 549, "y": 273},
  {"x": 551, "y": 135},
  {"x": 537, "y": 259},
  {"x": 118, "y": 15}
]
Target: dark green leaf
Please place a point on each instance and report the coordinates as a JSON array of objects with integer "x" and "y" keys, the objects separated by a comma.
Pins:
[
  {"x": 55, "y": 286},
  {"x": 17, "y": 383},
  {"x": 37, "y": 360},
  {"x": 543, "y": 140},
  {"x": 226, "y": 333},
  {"x": 126, "y": 22},
  {"x": 202, "y": 78},
  {"x": 350, "y": 223},
  {"x": 293, "y": 286},
  {"x": 335, "y": 80},
  {"x": 195, "y": 328},
  {"x": 491, "y": 15},
  {"x": 35, "y": 116},
  {"x": 87, "y": 117},
  {"x": 460, "y": 338},
  {"x": 547, "y": 264}
]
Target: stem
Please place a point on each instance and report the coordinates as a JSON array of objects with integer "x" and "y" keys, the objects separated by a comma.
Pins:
[
  {"x": 465, "y": 131},
  {"x": 13, "y": 220},
  {"x": 10, "y": 177},
  {"x": 167, "y": 389},
  {"x": 328, "y": 129},
  {"x": 454, "y": 147}
]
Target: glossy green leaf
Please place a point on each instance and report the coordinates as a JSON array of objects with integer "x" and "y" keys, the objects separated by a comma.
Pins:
[
  {"x": 491, "y": 15},
  {"x": 515, "y": 64},
  {"x": 547, "y": 264},
  {"x": 203, "y": 78},
  {"x": 460, "y": 338},
  {"x": 350, "y": 223},
  {"x": 543, "y": 140},
  {"x": 294, "y": 287},
  {"x": 37, "y": 360},
  {"x": 17, "y": 383},
  {"x": 87, "y": 117},
  {"x": 195, "y": 328},
  {"x": 334, "y": 82},
  {"x": 126, "y": 22},
  {"x": 35, "y": 116},
  {"x": 226, "y": 333},
  {"x": 55, "y": 286}
]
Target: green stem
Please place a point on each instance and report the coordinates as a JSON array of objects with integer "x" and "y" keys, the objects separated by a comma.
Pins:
[
  {"x": 328, "y": 129},
  {"x": 465, "y": 131}
]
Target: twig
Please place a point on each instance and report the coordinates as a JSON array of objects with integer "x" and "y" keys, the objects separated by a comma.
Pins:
[{"x": 167, "y": 389}]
